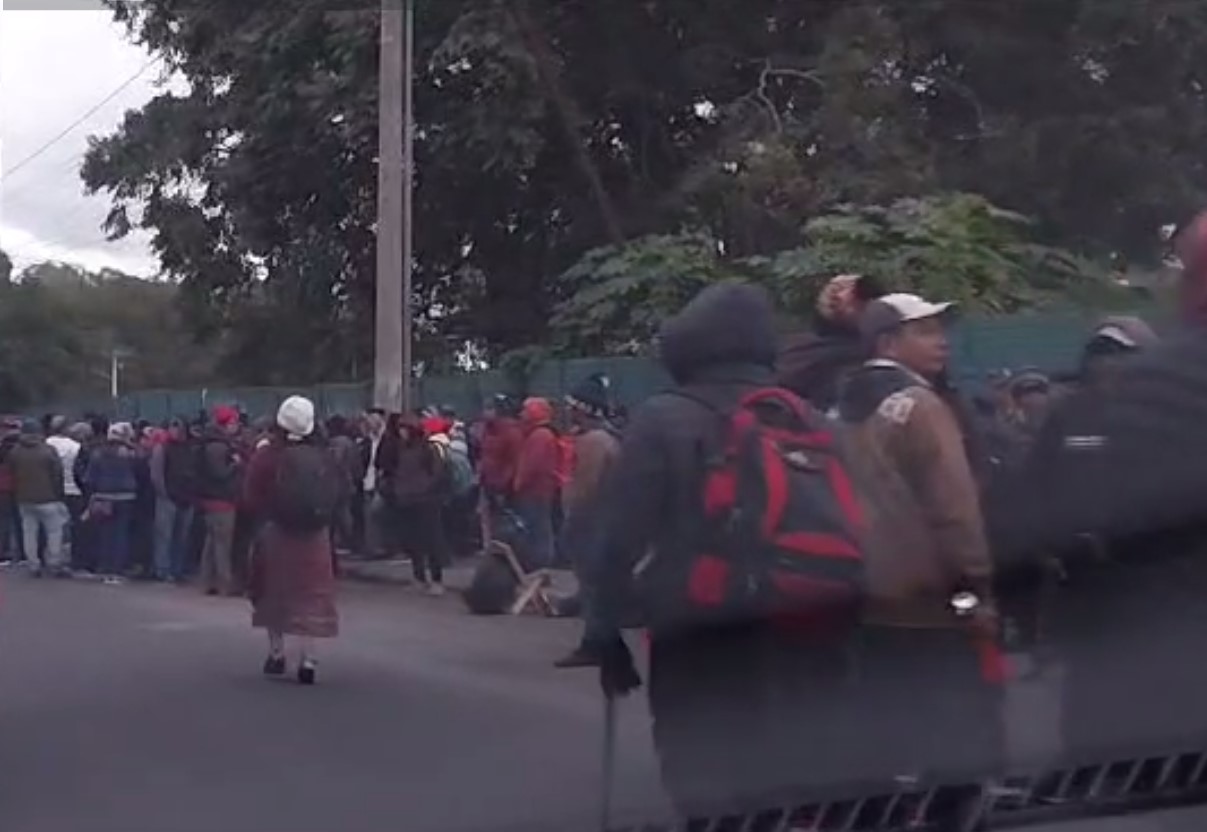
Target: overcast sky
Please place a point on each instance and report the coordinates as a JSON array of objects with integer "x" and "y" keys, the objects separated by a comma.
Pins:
[{"x": 54, "y": 67}]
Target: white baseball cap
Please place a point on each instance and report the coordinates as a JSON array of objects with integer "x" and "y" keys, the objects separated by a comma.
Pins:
[{"x": 891, "y": 311}]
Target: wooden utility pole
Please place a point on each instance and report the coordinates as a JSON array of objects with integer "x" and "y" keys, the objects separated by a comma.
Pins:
[
  {"x": 391, "y": 368},
  {"x": 408, "y": 202}
]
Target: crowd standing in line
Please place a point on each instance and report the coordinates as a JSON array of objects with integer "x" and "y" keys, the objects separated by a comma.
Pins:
[{"x": 825, "y": 540}]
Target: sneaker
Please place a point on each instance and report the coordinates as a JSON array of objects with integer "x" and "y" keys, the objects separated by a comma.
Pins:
[
  {"x": 211, "y": 591},
  {"x": 435, "y": 590},
  {"x": 307, "y": 672},
  {"x": 274, "y": 666},
  {"x": 63, "y": 573},
  {"x": 35, "y": 571},
  {"x": 114, "y": 580}
]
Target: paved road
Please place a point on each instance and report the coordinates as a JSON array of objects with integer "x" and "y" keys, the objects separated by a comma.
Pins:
[{"x": 142, "y": 709}]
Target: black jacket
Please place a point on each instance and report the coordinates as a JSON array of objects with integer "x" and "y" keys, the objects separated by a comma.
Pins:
[
  {"x": 219, "y": 469},
  {"x": 721, "y": 346},
  {"x": 815, "y": 364}
]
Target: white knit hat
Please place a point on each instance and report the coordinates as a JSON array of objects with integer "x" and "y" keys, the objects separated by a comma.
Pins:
[{"x": 296, "y": 416}]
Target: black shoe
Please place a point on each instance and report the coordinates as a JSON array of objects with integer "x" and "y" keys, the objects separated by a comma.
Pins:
[
  {"x": 307, "y": 673},
  {"x": 579, "y": 657},
  {"x": 211, "y": 591},
  {"x": 274, "y": 666}
]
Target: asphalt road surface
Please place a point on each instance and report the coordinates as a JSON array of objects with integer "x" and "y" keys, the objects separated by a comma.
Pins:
[{"x": 143, "y": 709}]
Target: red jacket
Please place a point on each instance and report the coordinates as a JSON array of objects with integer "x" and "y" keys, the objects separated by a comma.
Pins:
[
  {"x": 501, "y": 445},
  {"x": 537, "y": 475}
]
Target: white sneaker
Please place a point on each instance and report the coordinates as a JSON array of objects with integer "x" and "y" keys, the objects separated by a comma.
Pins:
[
  {"x": 435, "y": 590},
  {"x": 114, "y": 580}
]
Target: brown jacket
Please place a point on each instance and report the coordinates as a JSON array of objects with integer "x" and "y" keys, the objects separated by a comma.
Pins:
[
  {"x": 595, "y": 449},
  {"x": 926, "y": 534}
]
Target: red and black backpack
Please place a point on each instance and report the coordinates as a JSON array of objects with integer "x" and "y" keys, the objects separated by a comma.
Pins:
[{"x": 782, "y": 533}]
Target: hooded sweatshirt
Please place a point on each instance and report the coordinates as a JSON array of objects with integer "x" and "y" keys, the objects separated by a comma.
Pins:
[
  {"x": 537, "y": 471},
  {"x": 719, "y": 348}
]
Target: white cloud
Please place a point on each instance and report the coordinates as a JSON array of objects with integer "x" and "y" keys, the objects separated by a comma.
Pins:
[{"x": 54, "y": 67}]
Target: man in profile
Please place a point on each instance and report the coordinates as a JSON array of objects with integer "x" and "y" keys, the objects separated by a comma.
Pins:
[{"x": 929, "y": 674}]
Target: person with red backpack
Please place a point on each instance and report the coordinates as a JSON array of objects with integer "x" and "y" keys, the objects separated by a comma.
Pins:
[
  {"x": 538, "y": 479},
  {"x": 731, "y": 494}
]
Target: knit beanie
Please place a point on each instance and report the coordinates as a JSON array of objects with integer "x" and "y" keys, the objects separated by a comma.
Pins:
[{"x": 296, "y": 417}]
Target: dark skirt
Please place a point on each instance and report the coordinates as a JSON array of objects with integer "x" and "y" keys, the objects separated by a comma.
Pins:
[{"x": 293, "y": 584}]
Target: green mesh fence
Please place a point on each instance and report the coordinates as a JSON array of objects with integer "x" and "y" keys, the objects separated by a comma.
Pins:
[{"x": 1049, "y": 341}]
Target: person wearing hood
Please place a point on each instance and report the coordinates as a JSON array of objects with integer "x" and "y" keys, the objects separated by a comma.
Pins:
[
  {"x": 814, "y": 364},
  {"x": 928, "y": 654},
  {"x": 219, "y": 477},
  {"x": 112, "y": 486},
  {"x": 744, "y": 712},
  {"x": 295, "y": 485},
  {"x": 500, "y": 443},
  {"x": 37, "y": 474},
  {"x": 537, "y": 478}
]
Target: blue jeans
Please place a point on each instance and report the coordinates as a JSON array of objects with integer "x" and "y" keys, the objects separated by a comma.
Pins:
[
  {"x": 49, "y": 519},
  {"x": 172, "y": 525},
  {"x": 538, "y": 522},
  {"x": 113, "y": 539}
]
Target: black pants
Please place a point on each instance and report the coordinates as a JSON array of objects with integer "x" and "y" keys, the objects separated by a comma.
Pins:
[
  {"x": 746, "y": 719},
  {"x": 8, "y": 513},
  {"x": 926, "y": 706},
  {"x": 420, "y": 529}
]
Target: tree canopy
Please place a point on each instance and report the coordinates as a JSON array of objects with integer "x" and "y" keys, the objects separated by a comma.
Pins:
[
  {"x": 61, "y": 326},
  {"x": 562, "y": 143}
]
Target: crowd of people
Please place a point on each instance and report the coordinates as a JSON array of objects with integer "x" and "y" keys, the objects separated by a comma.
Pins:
[
  {"x": 181, "y": 502},
  {"x": 828, "y": 589},
  {"x": 826, "y": 541}
]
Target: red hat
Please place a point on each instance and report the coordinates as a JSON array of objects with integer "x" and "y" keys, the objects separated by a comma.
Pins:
[{"x": 224, "y": 415}]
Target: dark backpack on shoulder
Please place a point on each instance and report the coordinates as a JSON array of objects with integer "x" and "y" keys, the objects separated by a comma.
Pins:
[
  {"x": 306, "y": 491},
  {"x": 781, "y": 539}
]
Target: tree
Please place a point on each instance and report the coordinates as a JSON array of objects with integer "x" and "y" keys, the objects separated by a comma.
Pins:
[
  {"x": 957, "y": 247},
  {"x": 61, "y": 325},
  {"x": 548, "y": 128}
]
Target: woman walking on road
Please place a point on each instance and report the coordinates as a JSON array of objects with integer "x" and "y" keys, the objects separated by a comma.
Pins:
[{"x": 293, "y": 485}]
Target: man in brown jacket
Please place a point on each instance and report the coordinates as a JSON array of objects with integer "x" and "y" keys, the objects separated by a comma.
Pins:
[{"x": 929, "y": 658}]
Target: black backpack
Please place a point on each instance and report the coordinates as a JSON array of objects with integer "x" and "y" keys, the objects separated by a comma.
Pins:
[{"x": 307, "y": 490}]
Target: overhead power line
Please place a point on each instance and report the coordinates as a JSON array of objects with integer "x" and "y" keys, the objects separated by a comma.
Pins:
[{"x": 67, "y": 130}]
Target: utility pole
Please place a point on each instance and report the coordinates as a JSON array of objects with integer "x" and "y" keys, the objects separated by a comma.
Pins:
[
  {"x": 391, "y": 366},
  {"x": 408, "y": 202}
]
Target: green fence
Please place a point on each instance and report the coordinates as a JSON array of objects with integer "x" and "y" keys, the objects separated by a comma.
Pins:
[{"x": 1049, "y": 341}]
